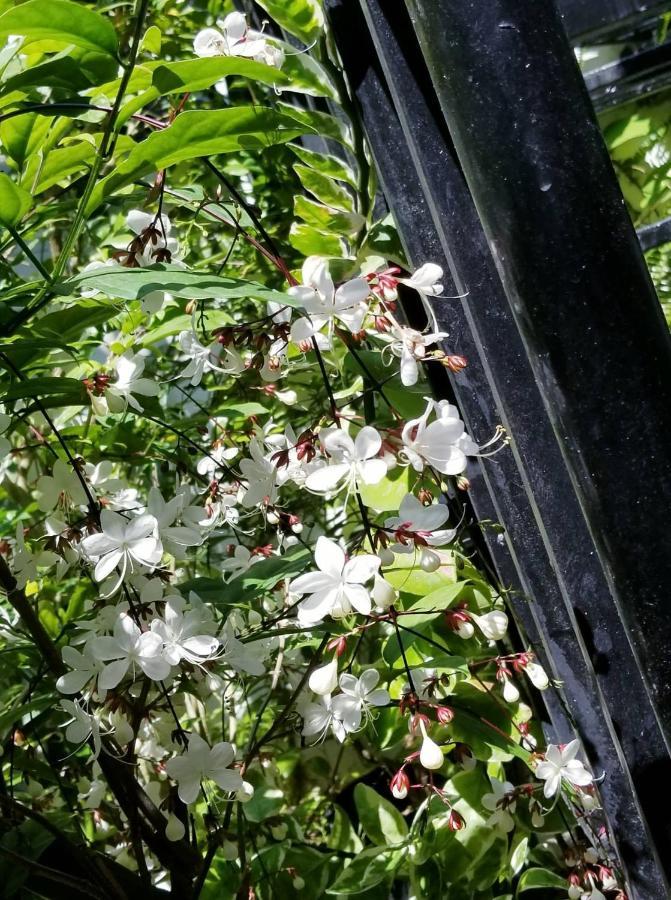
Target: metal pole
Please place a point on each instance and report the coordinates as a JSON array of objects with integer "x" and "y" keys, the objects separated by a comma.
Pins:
[{"x": 533, "y": 494}]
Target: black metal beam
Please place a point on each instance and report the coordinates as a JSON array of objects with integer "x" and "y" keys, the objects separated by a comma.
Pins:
[
  {"x": 586, "y": 20},
  {"x": 644, "y": 72},
  {"x": 579, "y": 292},
  {"x": 554, "y": 553},
  {"x": 655, "y": 235}
]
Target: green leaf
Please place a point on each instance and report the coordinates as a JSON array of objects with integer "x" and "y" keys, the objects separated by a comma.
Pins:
[
  {"x": 68, "y": 391},
  {"x": 341, "y": 835},
  {"x": 72, "y": 69},
  {"x": 379, "y": 818},
  {"x": 325, "y": 189},
  {"x": 324, "y": 218},
  {"x": 302, "y": 18},
  {"x": 311, "y": 242},
  {"x": 440, "y": 599},
  {"x": 134, "y": 284},
  {"x": 386, "y": 495},
  {"x": 323, "y": 124},
  {"x": 14, "y": 201},
  {"x": 59, "y": 164},
  {"x": 59, "y": 22},
  {"x": 540, "y": 878},
  {"x": 366, "y": 870},
  {"x": 327, "y": 165},
  {"x": 260, "y": 578},
  {"x": 197, "y": 133}
]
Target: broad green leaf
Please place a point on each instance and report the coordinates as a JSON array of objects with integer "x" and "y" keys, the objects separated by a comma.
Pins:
[
  {"x": 440, "y": 599},
  {"x": 325, "y": 189},
  {"x": 379, "y": 818},
  {"x": 341, "y": 834},
  {"x": 59, "y": 165},
  {"x": 324, "y": 218},
  {"x": 407, "y": 576},
  {"x": 197, "y": 133},
  {"x": 366, "y": 870},
  {"x": 540, "y": 878},
  {"x": 323, "y": 124},
  {"x": 259, "y": 579},
  {"x": 302, "y": 18},
  {"x": 327, "y": 165},
  {"x": 73, "y": 69},
  {"x": 386, "y": 495},
  {"x": 14, "y": 201},
  {"x": 311, "y": 242},
  {"x": 60, "y": 22},
  {"x": 68, "y": 391},
  {"x": 134, "y": 284}
]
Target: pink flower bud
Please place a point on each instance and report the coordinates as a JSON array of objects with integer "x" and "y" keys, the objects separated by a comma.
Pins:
[
  {"x": 444, "y": 715},
  {"x": 400, "y": 785}
]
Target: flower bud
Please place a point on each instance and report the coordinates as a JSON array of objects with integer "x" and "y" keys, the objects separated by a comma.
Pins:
[
  {"x": 455, "y": 363},
  {"x": 574, "y": 892},
  {"x": 174, "y": 830},
  {"x": 386, "y": 556},
  {"x": 384, "y": 595},
  {"x": 246, "y": 792},
  {"x": 298, "y": 883},
  {"x": 493, "y": 624},
  {"x": 400, "y": 784},
  {"x": 510, "y": 692},
  {"x": 324, "y": 679},
  {"x": 430, "y": 755},
  {"x": 537, "y": 676},
  {"x": 444, "y": 715},
  {"x": 429, "y": 560},
  {"x": 463, "y": 484},
  {"x": 455, "y": 821}
]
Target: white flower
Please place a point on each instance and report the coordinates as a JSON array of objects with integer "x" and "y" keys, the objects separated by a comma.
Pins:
[
  {"x": 241, "y": 560},
  {"x": 424, "y": 521},
  {"x": 129, "y": 648},
  {"x": 122, "y": 543},
  {"x": 319, "y": 717},
  {"x": 84, "y": 665},
  {"x": 234, "y": 38},
  {"x": 323, "y": 303},
  {"x": 242, "y": 657},
  {"x": 204, "y": 359},
  {"x": 410, "y": 345},
  {"x": 174, "y": 537},
  {"x": 180, "y": 635},
  {"x": 82, "y": 726},
  {"x": 261, "y": 475},
  {"x": 338, "y": 586},
  {"x": 119, "y": 395},
  {"x": 510, "y": 692},
  {"x": 353, "y": 462},
  {"x": 60, "y": 488},
  {"x": 501, "y": 804},
  {"x": 560, "y": 763},
  {"x": 202, "y": 762},
  {"x": 442, "y": 444},
  {"x": 324, "y": 679},
  {"x": 426, "y": 280},
  {"x": 174, "y": 829},
  {"x": 358, "y": 695}
]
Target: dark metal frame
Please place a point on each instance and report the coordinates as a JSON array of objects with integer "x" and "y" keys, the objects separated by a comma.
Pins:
[{"x": 503, "y": 179}]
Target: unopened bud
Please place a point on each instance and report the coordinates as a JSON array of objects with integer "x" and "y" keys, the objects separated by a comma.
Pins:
[
  {"x": 463, "y": 484},
  {"x": 324, "y": 679},
  {"x": 400, "y": 785},
  {"x": 386, "y": 556},
  {"x": 444, "y": 715},
  {"x": 174, "y": 830},
  {"x": 191, "y": 307},
  {"x": 455, "y": 363},
  {"x": 429, "y": 560},
  {"x": 455, "y": 821},
  {"x": 430, "y": 755}
]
